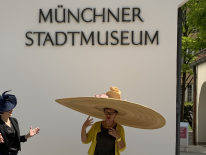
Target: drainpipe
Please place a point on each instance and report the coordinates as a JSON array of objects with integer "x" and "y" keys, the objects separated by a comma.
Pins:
[
  {"x": 178, "y": 84},
  {"x": 194, "y": 105}
]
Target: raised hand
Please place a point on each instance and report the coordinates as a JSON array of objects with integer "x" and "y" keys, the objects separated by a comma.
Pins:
[
  {"x": 32, "y": 132},
  {"x": 114, "y": 133},
  {"x": 88, "y": 122},
  {"x": 1, "y": 139}
]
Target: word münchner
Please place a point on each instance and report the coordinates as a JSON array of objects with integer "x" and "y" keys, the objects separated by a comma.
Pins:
[{"x": 127, "y": 15}]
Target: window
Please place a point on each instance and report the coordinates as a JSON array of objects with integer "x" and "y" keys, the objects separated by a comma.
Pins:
[{"x": 189, "y": 93}]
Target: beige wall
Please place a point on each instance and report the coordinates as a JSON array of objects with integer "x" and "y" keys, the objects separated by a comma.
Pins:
[{"x": 201, "y": 103}]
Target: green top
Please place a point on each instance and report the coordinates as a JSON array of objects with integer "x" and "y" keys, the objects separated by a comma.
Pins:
[{"x": 92, "y": 137}]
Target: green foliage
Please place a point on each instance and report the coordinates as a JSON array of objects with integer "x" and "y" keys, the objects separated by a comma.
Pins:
[
  {"x": 188, "y": 57},
  {"x": 196, "y": 19},
  {"x": 187, "y": 41},
  {"x": 193, "y": 37},
  {"x": 190, "y": 128},
  {"x": 188, "y": 107},
  {"x": 193, "y": 31}
]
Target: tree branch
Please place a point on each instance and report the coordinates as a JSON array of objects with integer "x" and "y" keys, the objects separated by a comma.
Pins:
[
  {"x": 188, "y": 77},
  {"x": 189, "y": 83}
]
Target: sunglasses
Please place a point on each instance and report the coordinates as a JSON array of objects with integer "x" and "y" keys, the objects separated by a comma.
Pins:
[{"x": 109, "y": 113}]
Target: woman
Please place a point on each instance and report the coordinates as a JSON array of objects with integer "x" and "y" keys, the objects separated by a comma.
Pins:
[
  {"x": 9, "y": 128},
  {"x": 107, "y": 137}
]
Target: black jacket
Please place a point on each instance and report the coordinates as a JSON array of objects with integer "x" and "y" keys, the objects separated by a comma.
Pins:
[{"x": 4, "y": 147}]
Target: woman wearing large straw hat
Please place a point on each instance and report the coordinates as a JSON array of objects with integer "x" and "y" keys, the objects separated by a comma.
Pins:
[
  {"x": 107, "y": 137},
  {"x": 9, "y": 129}
]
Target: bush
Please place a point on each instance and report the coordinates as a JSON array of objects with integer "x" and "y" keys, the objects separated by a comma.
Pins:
[{"x": 188, "y": 107}]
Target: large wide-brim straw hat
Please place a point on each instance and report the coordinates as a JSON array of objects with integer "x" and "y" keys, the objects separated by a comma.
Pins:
[
  {"x": 129, "y": 113},
  {"x": 7, "y": 102}
]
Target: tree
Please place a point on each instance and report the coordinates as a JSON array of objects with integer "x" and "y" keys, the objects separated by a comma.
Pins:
[
  {"x": 197, "y": 19},
  {"x": 193, "y": 39}
]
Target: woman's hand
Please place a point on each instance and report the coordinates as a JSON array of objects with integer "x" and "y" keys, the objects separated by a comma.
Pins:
[
  {"x": 88, "y": 122},
  {"x": 32, "y": 132},
  {"x": 114, "y": 133},
  {"x": 1, "y": 139}
]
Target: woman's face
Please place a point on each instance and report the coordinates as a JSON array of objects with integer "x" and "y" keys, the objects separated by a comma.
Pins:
[
  {"x": 9, "y": 113},
  {"x": 110, "y": 114}
]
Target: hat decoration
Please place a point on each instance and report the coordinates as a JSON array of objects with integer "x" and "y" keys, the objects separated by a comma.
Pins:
[{"x": 102, "y": 95}]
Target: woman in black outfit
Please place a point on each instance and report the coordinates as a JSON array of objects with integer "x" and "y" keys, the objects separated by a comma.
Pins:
[{"x": 9, "y": 129}]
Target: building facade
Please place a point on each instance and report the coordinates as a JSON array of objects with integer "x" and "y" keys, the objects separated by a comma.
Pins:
[{"x": 199, "y": 100}]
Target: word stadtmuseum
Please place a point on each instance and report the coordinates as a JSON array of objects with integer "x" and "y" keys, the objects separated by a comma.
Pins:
[{"x": 89, "y": 16}]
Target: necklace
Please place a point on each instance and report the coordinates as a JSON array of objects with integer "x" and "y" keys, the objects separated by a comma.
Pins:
[{"x": 107, "y": 127}]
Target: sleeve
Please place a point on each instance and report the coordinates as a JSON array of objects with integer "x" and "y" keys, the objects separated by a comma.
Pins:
[
  {"x": 90, "y": 135},
  {"x": 22, "y": 138},
  {"x": 122, "y": 134}
]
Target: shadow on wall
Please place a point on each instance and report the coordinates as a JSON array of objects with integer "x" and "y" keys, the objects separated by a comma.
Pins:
[{"x": 202, "y": 115}]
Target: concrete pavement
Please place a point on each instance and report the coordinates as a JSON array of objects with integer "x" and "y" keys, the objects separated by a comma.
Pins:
[{"x": 194, "y": 150}]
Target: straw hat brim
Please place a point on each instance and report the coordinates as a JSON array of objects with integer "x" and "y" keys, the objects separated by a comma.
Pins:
[{"x": 129, "y": 114}]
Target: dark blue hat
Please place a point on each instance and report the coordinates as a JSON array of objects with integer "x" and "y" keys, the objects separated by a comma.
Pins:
[{"x": 7, "y": 102}]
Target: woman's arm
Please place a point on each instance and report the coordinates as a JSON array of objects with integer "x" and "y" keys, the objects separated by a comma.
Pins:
[
  {"x": 120, "y": 144},
  {"x": 120, "y": 138},
  {"x": 32, "y": 132},
  {"x": 23, "y": 138},
  {"x": 84, "y": 135}
]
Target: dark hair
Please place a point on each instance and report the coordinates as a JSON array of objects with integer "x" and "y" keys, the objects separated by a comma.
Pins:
[
  {"x": 110, "y": 108},
  {"x": 1, "y": 112}
]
